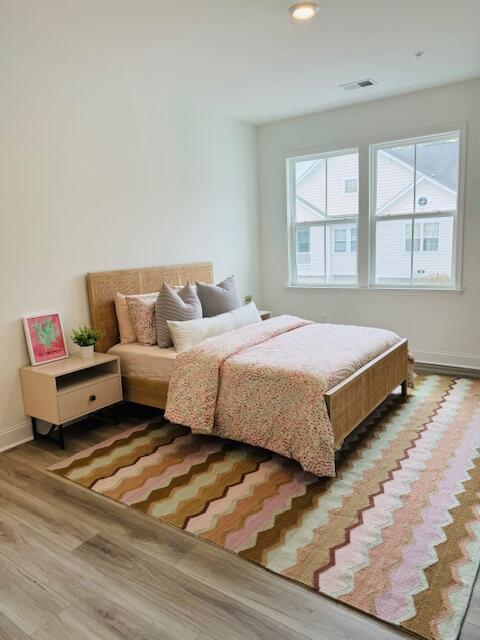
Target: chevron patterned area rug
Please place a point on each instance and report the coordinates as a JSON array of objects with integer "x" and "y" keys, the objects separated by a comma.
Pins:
[{"x": 396, "y": 534}]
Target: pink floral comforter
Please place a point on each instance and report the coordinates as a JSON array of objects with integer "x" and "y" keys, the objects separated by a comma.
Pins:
[{"x": 264, "y": 384}]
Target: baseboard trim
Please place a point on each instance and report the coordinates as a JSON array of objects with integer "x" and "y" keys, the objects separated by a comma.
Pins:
[
  {"x": 448, "y": 359},
  {"x": 446, "y": 370},
  {"x": 13, "y": 436}
]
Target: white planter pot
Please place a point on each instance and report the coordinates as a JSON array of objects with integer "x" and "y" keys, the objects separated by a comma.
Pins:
[{"x": 86, "y": 352}]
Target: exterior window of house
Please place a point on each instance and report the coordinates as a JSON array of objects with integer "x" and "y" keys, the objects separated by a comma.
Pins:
[
  {"x": 353, "y": 239},
  {"x": 408, "y": 237},
  {"x": 303, "y": 246},
  {"x": 340, "y": 240},
  {"x": 321, "y": 216},
  {"x": 427, "y": 236},
  {"x": 431, "y": 236},
  {"x": 414, "y": 211},
  {"x": 385, "y": 214},
  {"x": 350, "y": 185}
]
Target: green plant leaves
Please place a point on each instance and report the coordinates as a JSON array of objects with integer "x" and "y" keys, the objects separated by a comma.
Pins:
[{"x": 85, "y": 336}]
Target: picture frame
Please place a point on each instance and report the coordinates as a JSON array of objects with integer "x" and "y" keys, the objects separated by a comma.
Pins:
[{"x": 45, "y": 337}]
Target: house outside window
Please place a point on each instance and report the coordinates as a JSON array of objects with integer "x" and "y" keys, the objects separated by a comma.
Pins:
[
  {"x": 414, "y": 211},
  {"x": 405, "y": 195}
]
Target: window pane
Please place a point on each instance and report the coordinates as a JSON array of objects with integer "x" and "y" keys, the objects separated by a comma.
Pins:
[
  {"x": 416, "y": 239},
  {"x": 341, "y": 261},
  {"x": 340, "y": 171},
  {"x": 437, "y": 175},
  {"x": 311, "y": 264},
  {"x": 416, "y": 250},
  {"x": 433, "y": 264},
  {"x": 394, "y": 181},
  {"x": 340, "y": 242},
  {"x": 393, "y": 255},
  {"x": 310, "y": 196},
  {"x": 350, "y": 185},
  {"x": 303, "y": 240},
  {"x": 431, "y": 236},
  {"x": 353, "y": 239}
]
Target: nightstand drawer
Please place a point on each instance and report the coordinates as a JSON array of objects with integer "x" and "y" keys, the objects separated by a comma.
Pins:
[{"x": 89, "y": 398}]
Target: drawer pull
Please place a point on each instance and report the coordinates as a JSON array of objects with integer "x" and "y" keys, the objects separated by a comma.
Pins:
[{"x": 93, "y": 398}]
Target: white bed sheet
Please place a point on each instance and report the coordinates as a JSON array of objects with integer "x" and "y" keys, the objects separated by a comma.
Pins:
[{"x": 140, "y": 361}]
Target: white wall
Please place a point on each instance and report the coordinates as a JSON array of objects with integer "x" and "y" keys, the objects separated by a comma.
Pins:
[
  {"x": 103, "y": 166},
  {"x": 441, "y": 327}
]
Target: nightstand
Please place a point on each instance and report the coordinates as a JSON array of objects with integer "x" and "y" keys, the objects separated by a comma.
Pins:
[
  {"x": 265, "y": 315},
  {"x": 64, "y": 390}
]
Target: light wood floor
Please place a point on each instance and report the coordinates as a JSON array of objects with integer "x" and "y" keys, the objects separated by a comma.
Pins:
[{"x": 76, "y": 566}]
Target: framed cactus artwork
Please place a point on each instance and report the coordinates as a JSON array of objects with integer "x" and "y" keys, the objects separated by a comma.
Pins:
[{"x": 45, "y": 338}]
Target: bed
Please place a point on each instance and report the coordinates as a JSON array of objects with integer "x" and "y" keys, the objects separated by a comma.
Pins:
[{"x": 348, "y": 403}]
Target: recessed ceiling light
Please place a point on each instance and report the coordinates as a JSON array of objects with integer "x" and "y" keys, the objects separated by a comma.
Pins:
[{"x": 304, "y": 10}]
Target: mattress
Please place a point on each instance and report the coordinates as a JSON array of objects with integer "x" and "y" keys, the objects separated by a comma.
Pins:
[{"x": 140, "y": 361}]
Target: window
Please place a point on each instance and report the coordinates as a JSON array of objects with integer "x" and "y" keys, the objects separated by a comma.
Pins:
[
  {"x": 427, "y": 236},
  {"x": 322, "y": 216},
  {"x": 411, "y": 209},
  {"x": 414, "y": 211},
  {"x": 303, "y": 246},
  {"x": 350, "y": 185},
  {"x": 431, "y": 236},
  {"x": 353, "y": 239},
  {"x": 340, "y": 240},
  {"x": 408, "y": 237},
  {"x": 303, "y": 241}
]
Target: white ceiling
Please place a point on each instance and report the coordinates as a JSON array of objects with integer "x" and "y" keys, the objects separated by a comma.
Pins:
[{"x": 248, "y": 58}]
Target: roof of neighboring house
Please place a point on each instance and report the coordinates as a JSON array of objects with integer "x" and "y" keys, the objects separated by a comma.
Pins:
[{"x": 435, "y": 160}]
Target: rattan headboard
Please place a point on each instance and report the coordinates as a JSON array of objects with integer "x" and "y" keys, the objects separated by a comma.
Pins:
[{"x": 102, "y": 287}]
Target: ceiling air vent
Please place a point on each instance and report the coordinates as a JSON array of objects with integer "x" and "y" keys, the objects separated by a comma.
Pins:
[{"x": 360, "y": 84}]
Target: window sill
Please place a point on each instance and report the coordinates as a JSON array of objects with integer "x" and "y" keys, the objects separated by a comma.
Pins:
[{"x": 378, "y": 290}]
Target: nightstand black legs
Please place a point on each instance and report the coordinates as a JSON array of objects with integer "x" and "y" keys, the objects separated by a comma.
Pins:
[{"x": 49, "y": 435}]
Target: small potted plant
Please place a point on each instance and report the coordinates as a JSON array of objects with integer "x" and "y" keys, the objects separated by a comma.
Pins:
[
  {"x": 247, "y": 299},
  {"x": 86, "y": 338}
]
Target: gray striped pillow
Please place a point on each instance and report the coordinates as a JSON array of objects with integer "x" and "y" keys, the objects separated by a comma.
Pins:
[
  {"x": 177, "y": 305},
  {"x": 218, "y": 298}
]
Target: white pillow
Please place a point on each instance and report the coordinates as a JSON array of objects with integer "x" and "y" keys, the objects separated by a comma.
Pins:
[{"x": 188, "y": 333}]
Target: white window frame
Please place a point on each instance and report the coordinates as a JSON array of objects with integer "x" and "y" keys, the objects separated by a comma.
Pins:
[
  {"x": 365, "y": 254},
  {"x": 293, "y": 225},
  {"x": 419, "y": 216}
]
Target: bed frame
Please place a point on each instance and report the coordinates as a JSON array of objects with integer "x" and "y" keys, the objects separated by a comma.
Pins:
[{"x": 348, "y": 403}]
